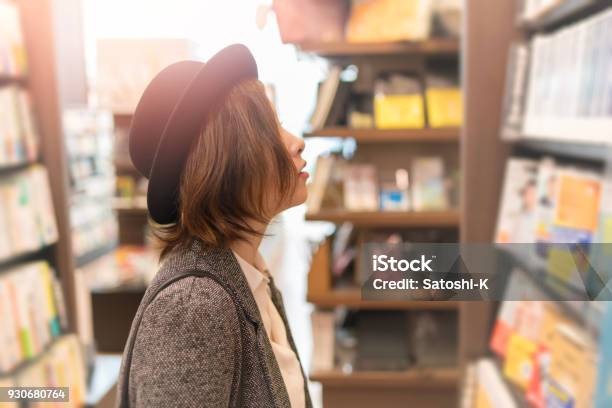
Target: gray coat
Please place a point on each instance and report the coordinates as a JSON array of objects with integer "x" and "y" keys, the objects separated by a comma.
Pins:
[{"x": 198, "y": 341}]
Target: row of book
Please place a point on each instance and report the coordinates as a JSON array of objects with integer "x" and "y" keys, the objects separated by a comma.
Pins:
[
  {"x": 18, "y": 137},
  {"x": 61, "y": 365},
  {"x": 544, "y": 201},
  {"x": 12, "y": 49},
  {"x": 398, "y": 101},
  {"x": 26, "y": 211},
  {"x": 557, "y": 84},
  {"x": 542, "y": 358},
  {"x": 31, "y": 312},
  {"x": 341, "y": 184},
  {"x": 89, "y": 141}
]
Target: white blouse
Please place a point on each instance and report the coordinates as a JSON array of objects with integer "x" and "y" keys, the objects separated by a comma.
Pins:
[{"x": 257, "y": 277}]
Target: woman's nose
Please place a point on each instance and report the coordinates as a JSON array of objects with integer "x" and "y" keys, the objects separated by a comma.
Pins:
[{"x": 298, "y": 145}]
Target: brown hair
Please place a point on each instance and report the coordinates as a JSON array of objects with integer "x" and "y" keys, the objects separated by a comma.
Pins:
[{"x": 227, "y": 178}]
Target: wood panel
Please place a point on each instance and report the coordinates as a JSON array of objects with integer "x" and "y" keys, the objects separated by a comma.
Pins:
[
  {"x": 426, "y": 135},
  {"x": 389, "y": 218},
  {"x": 488, "y": 30}
]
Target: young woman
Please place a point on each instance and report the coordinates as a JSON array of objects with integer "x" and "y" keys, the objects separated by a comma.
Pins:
[{"x": 211, "y": 330}]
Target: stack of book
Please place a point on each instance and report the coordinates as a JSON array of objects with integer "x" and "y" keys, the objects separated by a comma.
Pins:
[
  {"x": 12, "y": 50},
  {"x": 17, "y": 130},
  {"x": 31, "y": 312},
  {"x": 28, "y": 219}
]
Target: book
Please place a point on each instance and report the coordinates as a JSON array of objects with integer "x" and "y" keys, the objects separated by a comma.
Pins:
[
  {"x": 360, "y": 188},
  {"x": 12, "y": 49},
  {"x": 318, "y": 185},
  {"x": 29, "y": 313},
  {"x": 516, "y": 216},
  {"x": 515, "y": 91},
  {"x": 18, "y": 135},
  {"x": 398, "y": 103},
  {"x": 428, "y": 187},
  {"x": 444, "y": 102},
  {"x": 325, "y": 98},
  {"x": 388, "y": 20},
  {"x": 491, "y": 389},
  {"x": 571, "y": 374}
]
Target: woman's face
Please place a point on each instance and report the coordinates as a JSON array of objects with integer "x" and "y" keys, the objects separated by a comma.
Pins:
[{"x": 295, "y": 147}]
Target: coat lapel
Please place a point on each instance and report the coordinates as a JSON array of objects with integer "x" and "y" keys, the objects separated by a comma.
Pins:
[{"x": 223, "y": 263}]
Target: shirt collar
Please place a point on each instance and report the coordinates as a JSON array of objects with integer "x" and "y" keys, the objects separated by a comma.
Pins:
[{"x": 255, "y": 274}]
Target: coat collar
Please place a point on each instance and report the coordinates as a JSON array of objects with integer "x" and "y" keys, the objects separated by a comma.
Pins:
[{"x": 222, "y": 263}]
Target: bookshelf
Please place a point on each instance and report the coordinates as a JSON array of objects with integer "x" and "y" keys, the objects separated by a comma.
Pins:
[
  {"x": 351, "y": 297},
  {"x": 576, "y": 142},
  {"x": 386, "y": 148},
  {"x": 417, "y": 378},
  {"x": 51, "y": 83},
  {"x": 427, "y": 135},
  {"x": 389, "y": 218}
]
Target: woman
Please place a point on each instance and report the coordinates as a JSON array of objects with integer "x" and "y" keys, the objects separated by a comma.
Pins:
[{"x": 211, "y": 330}]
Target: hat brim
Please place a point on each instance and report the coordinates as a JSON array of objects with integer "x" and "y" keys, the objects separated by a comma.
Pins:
[{"x": 207, "y": 89}]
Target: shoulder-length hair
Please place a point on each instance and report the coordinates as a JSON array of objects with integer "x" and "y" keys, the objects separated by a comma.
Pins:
[{"x": 238, "y": 172}]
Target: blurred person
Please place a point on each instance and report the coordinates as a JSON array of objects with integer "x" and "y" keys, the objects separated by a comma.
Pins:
[{"x": 211, "y": 330}]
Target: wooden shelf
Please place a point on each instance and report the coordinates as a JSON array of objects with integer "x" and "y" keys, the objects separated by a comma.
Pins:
[
  {"x": 351, "y": 297},
  {"x": 390, "y": 135},
  {"x": 12, "y": 80},
  {"x": 421, "y": 378},
  {"x": 563, "y": 12},
  {"x": 448, "y": 218},
  {"x": 434, "y": 46}
]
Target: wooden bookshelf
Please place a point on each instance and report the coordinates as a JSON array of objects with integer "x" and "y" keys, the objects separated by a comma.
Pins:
[
  {"x": 390, "y": 218},
  {"x": 425, "y": 135},
  {"x": 433, "y": 46},
  {"x": 351, "y": 297},
  {"x": 421, "y": 378}
]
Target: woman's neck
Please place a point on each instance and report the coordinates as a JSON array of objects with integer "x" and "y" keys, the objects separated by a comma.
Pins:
[{"x": 247, "y": 248}]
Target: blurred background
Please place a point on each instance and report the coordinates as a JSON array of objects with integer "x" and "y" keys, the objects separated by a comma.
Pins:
[{"x": 426, "y": 121}]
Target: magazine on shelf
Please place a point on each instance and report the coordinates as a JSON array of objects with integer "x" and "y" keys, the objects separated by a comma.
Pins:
[{"x": 12, "y": 48}]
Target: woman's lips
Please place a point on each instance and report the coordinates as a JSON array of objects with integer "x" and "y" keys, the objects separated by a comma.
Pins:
[{"x": 303, "y": 175}]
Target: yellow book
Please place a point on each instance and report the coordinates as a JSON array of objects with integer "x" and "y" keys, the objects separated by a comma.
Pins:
[
  {"x": 444, "y": 107},
  {"x": 519, "y": 360},
  {"x": 399, "y": 111}
]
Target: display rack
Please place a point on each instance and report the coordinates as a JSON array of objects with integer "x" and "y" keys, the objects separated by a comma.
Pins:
[
  {"x": 492, "y": 30},
  {"x": 54, "y": 83},
  {"x": 384, "y": 147}
]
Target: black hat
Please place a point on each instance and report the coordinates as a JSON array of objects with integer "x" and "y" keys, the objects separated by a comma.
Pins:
[{"x": 169, "y": 116}]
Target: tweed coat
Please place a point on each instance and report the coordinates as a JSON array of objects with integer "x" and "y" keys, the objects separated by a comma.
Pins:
[{"x": 198, "y": 341}]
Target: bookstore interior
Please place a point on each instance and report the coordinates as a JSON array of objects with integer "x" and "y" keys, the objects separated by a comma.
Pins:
[{"x": 442, "y": 123}]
